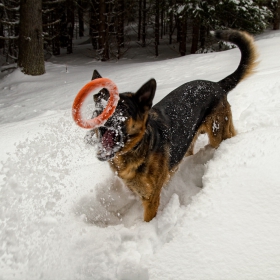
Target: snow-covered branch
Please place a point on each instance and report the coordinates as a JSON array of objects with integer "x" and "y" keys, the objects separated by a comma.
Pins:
[
  {"x": 8, "y": 67},
  {"x": 15, "y": 9},
  {"x": 50, "y": 38},
  {"x": 48, "y": 10},
  {"x": 53, "y": 2},
  {"x": 52, "y": 23},
  {"x": 10, "y": 22},
  {"x": 16, "y": 2},
  {"x": 9, "y": 38}
]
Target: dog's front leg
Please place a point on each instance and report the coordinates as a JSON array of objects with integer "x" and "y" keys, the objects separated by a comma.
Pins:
[{"x": 151, "y": 206}]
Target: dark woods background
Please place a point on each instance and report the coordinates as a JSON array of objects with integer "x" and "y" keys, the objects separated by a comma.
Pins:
[{"x": 32, "y": 30}]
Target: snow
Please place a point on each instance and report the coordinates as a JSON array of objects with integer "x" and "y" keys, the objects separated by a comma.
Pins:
[{"x": 65, "y": 215}]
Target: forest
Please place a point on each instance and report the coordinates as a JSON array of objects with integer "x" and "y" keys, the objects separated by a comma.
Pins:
[{"x": 33, "y": 30}]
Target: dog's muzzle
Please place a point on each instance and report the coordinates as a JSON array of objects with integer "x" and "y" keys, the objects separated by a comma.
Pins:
[{"x": 110, "y": 141}]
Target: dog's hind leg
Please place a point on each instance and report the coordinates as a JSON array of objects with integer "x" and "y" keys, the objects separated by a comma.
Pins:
[
  {"x": 219, "y": 124},
  {"x": 229, "y": 130},
  {"x": 201, "y": 130}
]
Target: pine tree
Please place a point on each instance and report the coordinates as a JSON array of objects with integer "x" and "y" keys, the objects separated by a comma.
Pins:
[
  {"x": 53, "y": 18},
  {"x": 276, "y": 14},
  {"x": 243, "y": 14},
  {"x": 9, "y": 29}
]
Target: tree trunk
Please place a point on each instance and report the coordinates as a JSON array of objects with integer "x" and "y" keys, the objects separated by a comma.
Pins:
[
  {"x": 93, "y": 31},
  {"x": 139, "y": 19},
  {"x": 31, "y": 54},
  {"x": 81, "y": 19},
  {"x": 162, "y": 29},
  {"x": 183, "y": 35},
  {"x": 70, "y": 25},
  {"x": 120, "y": 27},
  {"x": 2, "y": 35},
  {"x": 276, "y": 18},
  {"x": 202, "y": 36},
  {"x": 195, "y": 36},
  {"x": 120, "y": 23},
  {"x": 156, "y": 27},
  {"x": 144, "y": 24},
  {"x": 178, "y": 27},
  {"x": 170, "y": 23},
  {"x": 55, "y": 31},
  {"x": 56, "y": 46},
  {"x": 103, "y": 32}
]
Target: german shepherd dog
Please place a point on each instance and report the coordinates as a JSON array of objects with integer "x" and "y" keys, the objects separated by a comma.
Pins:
[{"x": 144, "y": 145}]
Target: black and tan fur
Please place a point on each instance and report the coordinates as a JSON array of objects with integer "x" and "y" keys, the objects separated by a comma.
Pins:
[{"x": 144, "y": 145}]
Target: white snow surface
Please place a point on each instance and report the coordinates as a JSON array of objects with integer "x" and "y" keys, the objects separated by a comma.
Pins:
[{"x": 65, "y": 215}]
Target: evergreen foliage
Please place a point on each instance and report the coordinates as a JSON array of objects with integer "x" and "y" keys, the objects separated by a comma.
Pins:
[
  {"x": 247, "y": 15},
  {"x": 151, "y": 20}
]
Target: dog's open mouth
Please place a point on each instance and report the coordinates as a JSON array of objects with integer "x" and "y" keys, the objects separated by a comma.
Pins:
[{"x": 110, "y": 142}]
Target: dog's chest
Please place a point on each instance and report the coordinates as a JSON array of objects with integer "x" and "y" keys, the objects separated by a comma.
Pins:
[
  {"x": 126, "y": 167},
  {"x": 131, "y": 175}
]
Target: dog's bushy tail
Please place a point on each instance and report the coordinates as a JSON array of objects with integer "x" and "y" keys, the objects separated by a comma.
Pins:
[{"x": 249, "y": 56}]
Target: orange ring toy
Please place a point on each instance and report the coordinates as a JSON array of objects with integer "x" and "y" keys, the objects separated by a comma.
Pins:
[{"x": 107, "y": 112}]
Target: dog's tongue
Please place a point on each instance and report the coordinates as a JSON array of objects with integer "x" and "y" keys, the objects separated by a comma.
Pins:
[{"x": 108, "y": 139}]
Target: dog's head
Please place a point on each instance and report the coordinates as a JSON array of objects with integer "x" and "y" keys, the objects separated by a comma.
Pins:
[{"x": 125, "y": 128}]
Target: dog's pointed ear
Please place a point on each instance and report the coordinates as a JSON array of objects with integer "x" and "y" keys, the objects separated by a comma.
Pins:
[
  {"x": 146, "y": 94},
  {"x": 95, "y": 75}
]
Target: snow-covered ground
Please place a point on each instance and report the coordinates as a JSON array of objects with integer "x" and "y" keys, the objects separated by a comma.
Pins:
[{"x": 64, "y": 215}]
